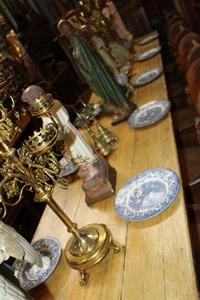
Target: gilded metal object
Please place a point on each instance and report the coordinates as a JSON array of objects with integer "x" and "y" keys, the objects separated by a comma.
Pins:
[
  {"x": 7, "y": 86},
  {"x": 96, "y": 241},
  {"x": 43, "y": 140},
  {"x": 8, "y": 91},
  {"x": 35, "y": 167},
  {"x": 18, "y": 50},
  {"x": 42, "y": 105},
  {"x": 108, "y": 136},
  {"x": 104, "y": 140},
  {"x": 33, "y": 160},
  {"x": 90, "y": 15},
  {"x": 101, "y": 146},
  {"x": 7, "y": 129}
]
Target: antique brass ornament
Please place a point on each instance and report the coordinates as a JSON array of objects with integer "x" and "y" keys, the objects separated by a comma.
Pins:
[
  {"x": 105, "y": 140},
  {"x": 43, "y": 140},
  {"x": 100, "y": 145},
  {"x": 18, "y": 50},
  {"x": 34, "y": 167},
  {"x": 8, "y": 90},
  {"x": 90, "y": 247},
  {"x": 89, "y": 13},
  {"x": 42, "y": 105},
  {"x": 7, "y": 84},
  {"x": 6, "y": 80},
  {"x": 7, "y": 129},
  {"x": 108, "y": 136}
]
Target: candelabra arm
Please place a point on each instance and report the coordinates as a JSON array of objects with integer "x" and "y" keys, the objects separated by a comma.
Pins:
[
  {"x": 9, "y": 179},
  {"x": 25, "y": 175},
  {"x": 8, "y": 151},
  {"x": 3, "y": 201}
]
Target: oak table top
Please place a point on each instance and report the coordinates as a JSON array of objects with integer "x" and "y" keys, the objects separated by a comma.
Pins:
[{"x": 158, "y": 262}]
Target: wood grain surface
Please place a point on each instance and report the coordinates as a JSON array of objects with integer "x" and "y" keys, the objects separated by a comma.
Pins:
[{"x": 157, "y": 264}]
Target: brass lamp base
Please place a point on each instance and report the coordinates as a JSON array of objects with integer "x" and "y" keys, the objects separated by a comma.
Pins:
[{"x": 90, "y": 248}]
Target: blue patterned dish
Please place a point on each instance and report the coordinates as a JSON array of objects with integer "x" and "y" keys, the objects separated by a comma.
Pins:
[
  {"x": 147, "y": 194},
  {"x": 147, "y": 77},
  {"x": 149, "y": 113},
  {"x": 147, "y": 54},
  {"x": 67, "y": 168},
  {"x": 30, "y": 275}
]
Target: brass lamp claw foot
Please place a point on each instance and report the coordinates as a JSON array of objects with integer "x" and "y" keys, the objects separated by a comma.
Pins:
[
  {"x": 84, "y": 277},
  {"x": 117, "y": 248}
]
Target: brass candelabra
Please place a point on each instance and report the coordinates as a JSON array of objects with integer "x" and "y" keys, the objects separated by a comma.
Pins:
[{"x": 34, "y": 167}]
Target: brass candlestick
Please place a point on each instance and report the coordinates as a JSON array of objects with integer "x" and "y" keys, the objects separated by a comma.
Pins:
[
  {"x": 105, "y": 140},
  {"x": 34, "y": 166},
  {"x": 100, "y": 143},
  {"x": 108, "y": 136},
  {"x": 104, "y": 133},
  {"x": 101, "y": 146}
]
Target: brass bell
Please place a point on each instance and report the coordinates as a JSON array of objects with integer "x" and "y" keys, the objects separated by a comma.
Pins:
[
  {"x": 105, "y": 133},
  {"x": 103, "y": 147}
]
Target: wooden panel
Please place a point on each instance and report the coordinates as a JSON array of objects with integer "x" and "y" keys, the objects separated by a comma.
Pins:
[{"x": 158, "y": 260}]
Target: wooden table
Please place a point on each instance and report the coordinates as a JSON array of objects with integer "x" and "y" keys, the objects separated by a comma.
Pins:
[{"x": 158, "y": 261}]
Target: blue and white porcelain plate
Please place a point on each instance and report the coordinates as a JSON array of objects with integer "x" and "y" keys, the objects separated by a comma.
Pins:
[
  {"x": 147, "y": 54},
  {"x": 147, "y": 77},
  {"x": 148, "y": 39},
  {"x": 67, "y": 168},
  {"x": 149, "y": 113},
  {"x": 30, "y": 275},
  {"x": 147, "y": 194}
]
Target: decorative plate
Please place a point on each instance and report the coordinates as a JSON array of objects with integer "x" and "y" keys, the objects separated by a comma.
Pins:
[
  {"x": 147, "y": 54},
  {"x": 147, "y": 77},
  {"x": 149, "y": 113},
  {"x": 67, "y": 168},
  {"x": 148, "y": 39},
  {"x": 147, "y": 194},
  {"x": 30, "y": 275}
]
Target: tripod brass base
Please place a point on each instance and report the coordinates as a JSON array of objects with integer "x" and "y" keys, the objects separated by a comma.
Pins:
[{"x": 90, "y": 248}]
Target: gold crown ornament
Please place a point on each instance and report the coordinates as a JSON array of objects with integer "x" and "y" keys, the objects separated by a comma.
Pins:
[{"x": 43, "y": 140}]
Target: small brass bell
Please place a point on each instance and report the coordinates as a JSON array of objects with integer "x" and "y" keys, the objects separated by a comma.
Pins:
[
  {"x": 105, "y": 133},
  {"x": 103, "y": 147}
]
